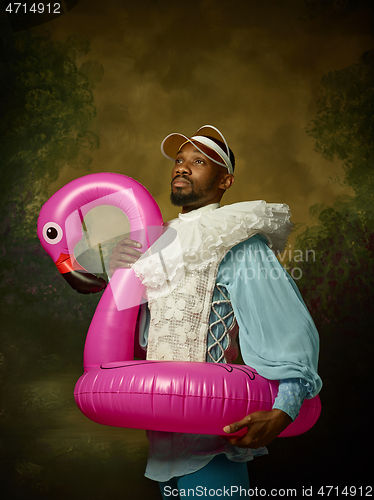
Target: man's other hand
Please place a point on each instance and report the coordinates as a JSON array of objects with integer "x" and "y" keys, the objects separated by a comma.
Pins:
[
  {"x": 262, "y": 428},
  {"x": 124, "y": 255}
]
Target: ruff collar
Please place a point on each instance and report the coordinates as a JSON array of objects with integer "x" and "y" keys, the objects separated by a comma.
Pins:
[{"x": 202, "y": 237}]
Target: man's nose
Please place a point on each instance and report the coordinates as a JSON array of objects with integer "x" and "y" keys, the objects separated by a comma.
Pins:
[{"x": 181, "y": 169}]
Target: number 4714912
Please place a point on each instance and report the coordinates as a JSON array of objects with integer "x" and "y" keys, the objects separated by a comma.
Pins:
[
  {"x": 348, "y": 491},
  {"x": 36, "y": 8}
]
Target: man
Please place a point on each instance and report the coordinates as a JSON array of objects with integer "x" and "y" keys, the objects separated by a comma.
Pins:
[{"x": 226, "y": 263}]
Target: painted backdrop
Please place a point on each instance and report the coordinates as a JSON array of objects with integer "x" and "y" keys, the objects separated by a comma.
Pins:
[{"x": 95, "y": 87}]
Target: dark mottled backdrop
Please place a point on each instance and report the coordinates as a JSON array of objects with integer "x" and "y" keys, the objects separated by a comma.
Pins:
[{"x": 290, "y": 84}]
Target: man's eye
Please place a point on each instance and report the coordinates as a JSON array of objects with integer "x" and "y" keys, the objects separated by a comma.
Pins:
[
  {"x": 178, "y": 160},
  {"x": 199, "y": 161}
]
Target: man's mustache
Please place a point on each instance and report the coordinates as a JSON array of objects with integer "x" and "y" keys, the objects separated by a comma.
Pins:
[{"x": 181, "y": 177}]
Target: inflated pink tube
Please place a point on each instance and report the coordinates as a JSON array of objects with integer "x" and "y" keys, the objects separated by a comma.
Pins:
[
  {"x": 115, "y": 389},
  {"x": 111, "y": 333},
  {"x": 181, "y": 396}
]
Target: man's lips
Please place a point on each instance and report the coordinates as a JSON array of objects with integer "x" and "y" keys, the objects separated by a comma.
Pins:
[{"x": 180, "y": 182}]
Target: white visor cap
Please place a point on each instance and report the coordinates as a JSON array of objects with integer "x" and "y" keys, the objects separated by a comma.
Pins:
[{"x": 173, "y": 142}]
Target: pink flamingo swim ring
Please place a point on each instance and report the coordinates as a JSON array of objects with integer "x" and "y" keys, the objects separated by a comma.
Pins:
[{"x": 115, "y": 389}]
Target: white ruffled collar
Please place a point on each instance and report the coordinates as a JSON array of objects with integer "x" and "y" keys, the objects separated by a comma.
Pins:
[
  {"x": 196, "y": 214},
  {"x": 202, "y": 237}
]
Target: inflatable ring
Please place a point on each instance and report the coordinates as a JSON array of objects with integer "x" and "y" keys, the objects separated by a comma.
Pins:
[{"x": 115, "y": 389}]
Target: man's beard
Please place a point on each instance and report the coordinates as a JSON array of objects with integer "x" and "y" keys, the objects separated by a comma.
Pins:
[{"x": 181, "y": 199}]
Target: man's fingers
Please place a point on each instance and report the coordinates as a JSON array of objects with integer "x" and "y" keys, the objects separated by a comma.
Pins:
[
  {"x": 236, "y": 426},
  {"x": 230, "y": 428},
  {"x": 124, "y": 255},
  {"x": 118, "y": 264},
  {"x": 127, "y": 251},
  {"x": 130, "y": 242}
]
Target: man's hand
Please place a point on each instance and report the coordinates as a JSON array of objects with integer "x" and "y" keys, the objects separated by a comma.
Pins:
[
  {"x": 262, "y": 428},
  {"x": 124, "y": 255}
]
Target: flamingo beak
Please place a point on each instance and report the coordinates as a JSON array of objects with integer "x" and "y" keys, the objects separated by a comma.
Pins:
[{"x": 77, "y": 276}]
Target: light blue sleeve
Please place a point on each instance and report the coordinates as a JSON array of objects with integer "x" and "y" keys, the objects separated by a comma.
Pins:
[
  {"x": 291, "y": 395},
  {"x": 144, "y": 320},
  {"x": 276, "y": 332}
]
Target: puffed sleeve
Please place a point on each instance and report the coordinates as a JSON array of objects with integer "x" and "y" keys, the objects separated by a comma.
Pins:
[{"x": 276, "y": 332}]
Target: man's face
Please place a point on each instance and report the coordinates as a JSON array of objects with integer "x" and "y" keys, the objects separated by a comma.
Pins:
[{"x": 196, "y": 180}]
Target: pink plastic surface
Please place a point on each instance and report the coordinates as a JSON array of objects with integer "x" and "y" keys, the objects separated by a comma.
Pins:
[{"x": 119, "y": 391}]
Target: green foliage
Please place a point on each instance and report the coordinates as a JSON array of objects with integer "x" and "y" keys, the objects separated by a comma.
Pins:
[
  {"x": 46, "y": 115},
  {"x": 344, "y": 125},
  {"x": 47, "y": 108},
  {"x": 339, "y": 8},
  {"x": 45, "y": 124},
  {"x": 337, "y": 286}
]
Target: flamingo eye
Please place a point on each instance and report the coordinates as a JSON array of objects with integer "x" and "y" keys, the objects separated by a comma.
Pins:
[{"x": 52, "y": 233}]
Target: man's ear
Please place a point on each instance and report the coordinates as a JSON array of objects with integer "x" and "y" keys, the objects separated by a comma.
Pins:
[{"x": 227, "y": 181}]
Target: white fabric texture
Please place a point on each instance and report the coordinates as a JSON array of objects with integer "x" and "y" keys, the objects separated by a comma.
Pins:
[
  {"x": 204, "y": 236},
  {"x": 183, "y": 274},
  {"x": 180, "y": 319}
]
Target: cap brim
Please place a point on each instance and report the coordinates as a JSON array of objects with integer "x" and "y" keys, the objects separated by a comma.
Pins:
[
  {"x": 170, "y": 146},
  {"x": 210, "y": 131}
]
